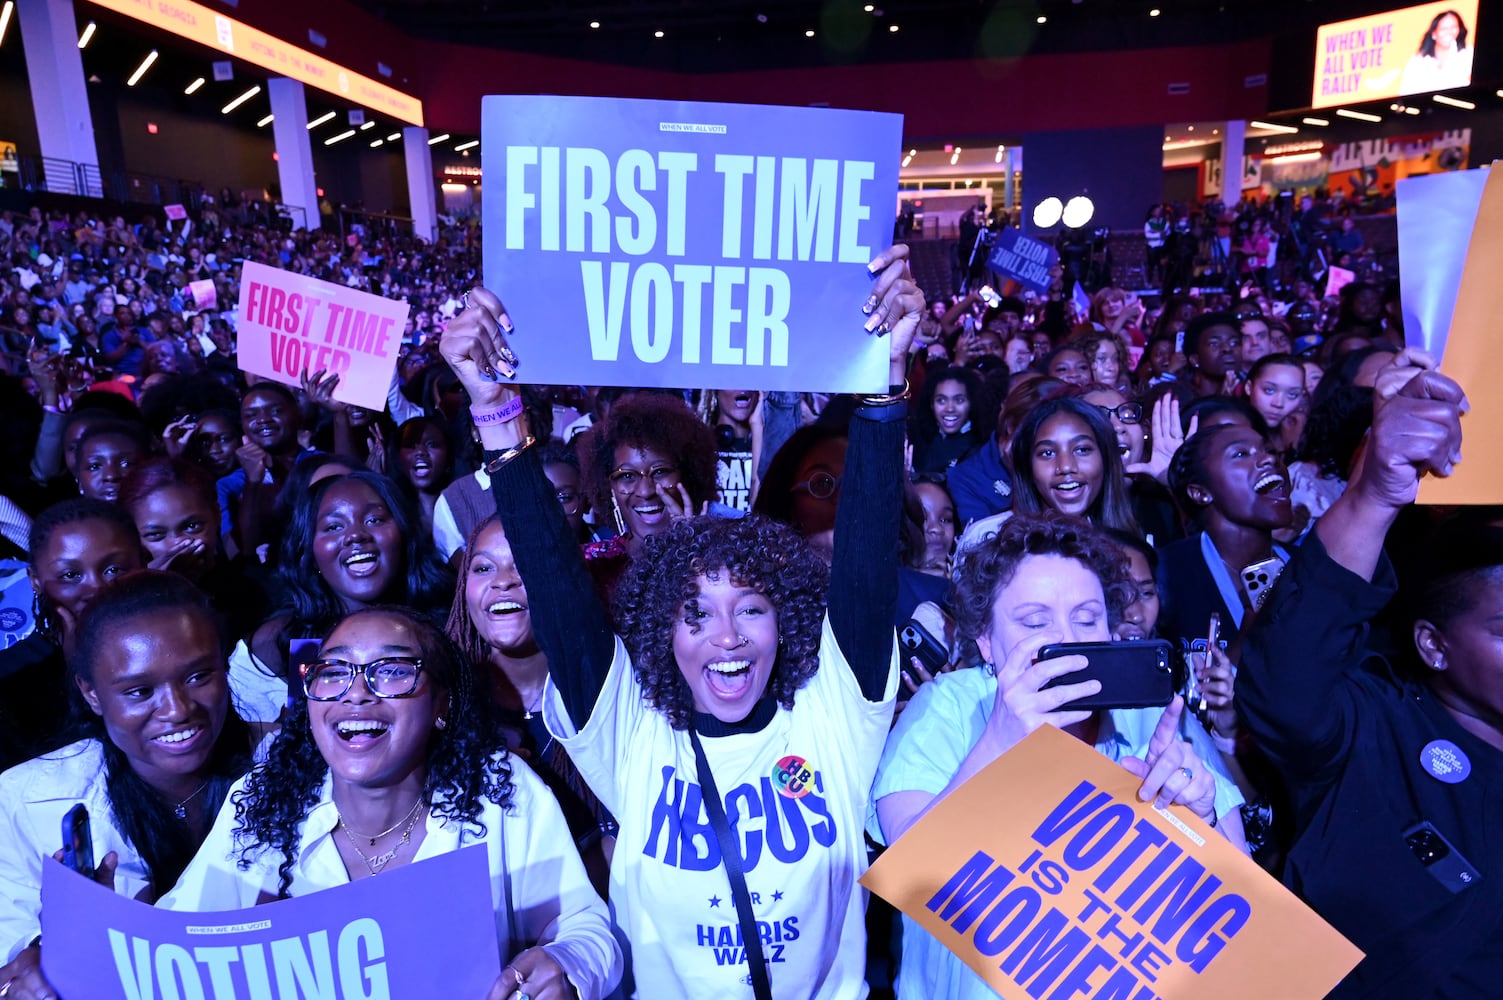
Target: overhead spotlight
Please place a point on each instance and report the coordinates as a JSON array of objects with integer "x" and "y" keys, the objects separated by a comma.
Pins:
[
  {"x": 1454, "y": 102},
  {"x": 1361, "y": 116},
  {"x": 1048, "y": 212},
  {"x": 466, "y": 145},
  {"x": 266, "y": 121},
  {"x": 394, "y": 137},
  {"x": 1271, "y": 127},
  {"x": 315, "y": 123},
  {"x": 1189, "y": 128},
  {"x": 892, "y": 27},
  {"x": 1411, "y": 111},
  {"x": 369, "y": 124},
  {"x": 341, "y": 137},
  {"x": 1000, "y": 151},
  {"x": 809, "y": 33},
  {"x": 594, "y": 24},
  {"x": 135, "y": 77},
  {"x": 869, "y": 8},
  {"x": 1321, "y": 122},
  {"x": 1041, "y": 19},
  {"x": 5, "y": 13},
  {"x": 88, "y": 34},
  {"x": 1155, "y": 12},
  {"x": 240, "y": 100},
  {"x": 1078, "y": 212},
  {"x": 955, "y": 156},
  {"x": 761, "y": 18},
  {"x": 657, "y": 34},
  {"x": 378, "y": 142},
  {"x": 907, "y": 159},
  {"x": 438, "y": 139},
  {"x": 193, "y": 87}
]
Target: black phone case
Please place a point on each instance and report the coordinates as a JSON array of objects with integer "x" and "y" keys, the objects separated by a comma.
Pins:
[
  {"x": 917, "y": 641},
  {"x": 1134, "y": 674}
]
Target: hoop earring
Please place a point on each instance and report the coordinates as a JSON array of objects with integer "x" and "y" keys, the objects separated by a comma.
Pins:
[
  {"x": 440, "y": 724},
  {"x": 616, "y": 513}
]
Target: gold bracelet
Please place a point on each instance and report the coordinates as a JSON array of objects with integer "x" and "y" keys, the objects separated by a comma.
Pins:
[
  {"x": 494, "y": 465},
  {"x": 885, "y": 400}
]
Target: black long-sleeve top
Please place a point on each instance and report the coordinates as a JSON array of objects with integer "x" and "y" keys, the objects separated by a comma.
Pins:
[
  {"x": 574, "y": 631},
  {"x": 1352, "y": 738}
]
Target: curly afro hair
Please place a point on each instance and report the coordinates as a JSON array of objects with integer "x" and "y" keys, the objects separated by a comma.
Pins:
[
  {"x": 658, "y": 421},
  {"x": 467, "y": 760},
  {"x": 989, "y": 567},
  {"x": 755, "y": 552}
]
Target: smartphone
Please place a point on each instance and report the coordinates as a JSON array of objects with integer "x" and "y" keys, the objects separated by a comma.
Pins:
[
  {"x": 1259, "y": 578},
  {"x": 917, "y": 641},
  {"x": 1138, "y": 673},
  {"x": 78, "y": 842},
  {"x": 1194, "y": 699},
  {"x": 989, "y": 296},
  {"x": 1432, "y": 850}
]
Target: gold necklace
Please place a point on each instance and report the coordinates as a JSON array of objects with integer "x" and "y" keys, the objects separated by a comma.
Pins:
[
  {"x": 181, "y": 809},
  {"x": 377, "y": 836},
  {"x": 378, "y": 862}
]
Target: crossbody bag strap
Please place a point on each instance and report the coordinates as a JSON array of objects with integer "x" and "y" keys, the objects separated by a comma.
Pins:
[{"x": 730, "y": 856}]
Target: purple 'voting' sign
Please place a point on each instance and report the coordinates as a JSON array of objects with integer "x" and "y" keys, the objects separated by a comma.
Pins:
[
  {"x": 1024, "y": 259},
  {"x": 422, "y": 930},
  {"x": 670, "y": 243}
]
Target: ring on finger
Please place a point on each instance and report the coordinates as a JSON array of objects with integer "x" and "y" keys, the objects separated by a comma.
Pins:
[
  {"x": 1189, "y": 774},
  {"x": 464, "y": 302}
]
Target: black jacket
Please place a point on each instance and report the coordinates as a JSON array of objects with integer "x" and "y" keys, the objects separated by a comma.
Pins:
[{"x": 1348, "y": 734}]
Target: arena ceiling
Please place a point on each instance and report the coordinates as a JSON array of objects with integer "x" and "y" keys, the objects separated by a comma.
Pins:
[{"x": 720, "y": 35}]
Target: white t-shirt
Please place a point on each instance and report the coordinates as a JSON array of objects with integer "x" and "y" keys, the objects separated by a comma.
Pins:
[
  {"x": 671, "y": 893},
  {"x": 537, "y": 879},
  {"x": 34, "y": 797}
]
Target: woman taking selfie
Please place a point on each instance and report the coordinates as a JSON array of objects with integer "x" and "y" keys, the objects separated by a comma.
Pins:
[
  {"x": 391, "y": 734},
  {"x": 1043, "y": 579},
  {"x": 729, "y": 689},
  {"x": 159, "y": 748}
]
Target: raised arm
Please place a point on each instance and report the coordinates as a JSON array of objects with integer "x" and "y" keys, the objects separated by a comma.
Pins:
[
  {"x": 1312, "y": 634},
  {"x": 864, "y": 572},
  {"x": 571, "y": 626}
]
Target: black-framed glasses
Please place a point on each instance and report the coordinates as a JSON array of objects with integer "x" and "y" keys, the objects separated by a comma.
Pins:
[
  {"x": 627, "y": 480},
  {"x": 388, "y": 677},
  {"x": 820, "y": 486},
  {"x": 1129, "y": 412}
]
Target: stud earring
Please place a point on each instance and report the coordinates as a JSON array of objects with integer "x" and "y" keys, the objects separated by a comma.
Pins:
[
  {"x": 440, "y": 724},
  {"x": 1439, "y": 664}
]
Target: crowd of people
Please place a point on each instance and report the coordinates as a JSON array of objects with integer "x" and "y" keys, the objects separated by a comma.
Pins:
[{"x": 641, "y": 643}]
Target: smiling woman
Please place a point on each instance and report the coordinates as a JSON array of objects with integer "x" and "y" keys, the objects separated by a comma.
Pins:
[
  {"x": 161, "y": 748},
  {"x": 356, "y": 542},
  {"x": 729, "y": 689},
  {"x": 389, "y": 755}
]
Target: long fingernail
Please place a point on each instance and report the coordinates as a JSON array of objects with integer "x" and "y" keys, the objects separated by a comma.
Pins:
[
  {"x": 509, "y": 357},
  {"x": 506, "y": 323},
  {"x": 507, "y": 371},
  {"x": 873, "y": 323},
  {"x": 869, "y": 305},
  {"x": 875, "y": 265}
]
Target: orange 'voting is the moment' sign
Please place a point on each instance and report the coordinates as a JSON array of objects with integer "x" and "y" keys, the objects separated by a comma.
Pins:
[{"x": 1047, "y": 876}]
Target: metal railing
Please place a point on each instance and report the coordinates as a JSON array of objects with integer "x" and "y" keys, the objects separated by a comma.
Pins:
[{"x": 58, "y": 176}]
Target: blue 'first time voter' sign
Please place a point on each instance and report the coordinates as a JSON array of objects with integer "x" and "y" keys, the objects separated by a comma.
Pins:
[{"x": 671, "y": 243}]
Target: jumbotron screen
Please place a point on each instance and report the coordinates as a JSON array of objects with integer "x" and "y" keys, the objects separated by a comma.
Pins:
[{"x": 1382, "y": 56}]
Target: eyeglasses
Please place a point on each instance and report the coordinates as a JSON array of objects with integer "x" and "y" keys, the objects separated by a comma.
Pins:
[
  {"x": 389, "y": 677},
  {"x": 1128, "y": 413},
  {"x": 627, "y": 480},
  {"x": 820, "y": 486},
  {"x": 567, "y": 497}
]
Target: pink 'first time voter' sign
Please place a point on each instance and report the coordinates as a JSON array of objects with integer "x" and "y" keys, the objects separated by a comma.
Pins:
[{"x": 290, "y": 324}]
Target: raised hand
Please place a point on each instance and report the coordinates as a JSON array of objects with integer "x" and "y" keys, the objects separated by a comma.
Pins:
[
  {"x": 474, "y": 346},
  {"x": 1168, "y": 436},
  {"x": 1416, "y": 430},
  {"x": 1023, "y": 704}
]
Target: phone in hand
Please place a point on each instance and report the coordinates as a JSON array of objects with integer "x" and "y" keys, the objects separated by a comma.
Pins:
[
  {"x": 1194, "y": 699},
  {"x": 1138, "y": 673},
  {"x": 917, "y": 641},
  {"x": 1259, "y": 578},
  {"x": 989, "y": 295},
  {"x": 78, "y": 842}
]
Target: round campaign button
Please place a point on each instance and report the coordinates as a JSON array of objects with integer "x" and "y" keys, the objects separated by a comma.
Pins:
[{"x": 1445, "y": 761}]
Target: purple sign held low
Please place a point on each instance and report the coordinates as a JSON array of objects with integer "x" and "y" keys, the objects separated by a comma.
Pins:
[
  {"x": 421, "y": 930},
  {"x": 1023, "y": 259},
  {"x": 680, "y": 244}
]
